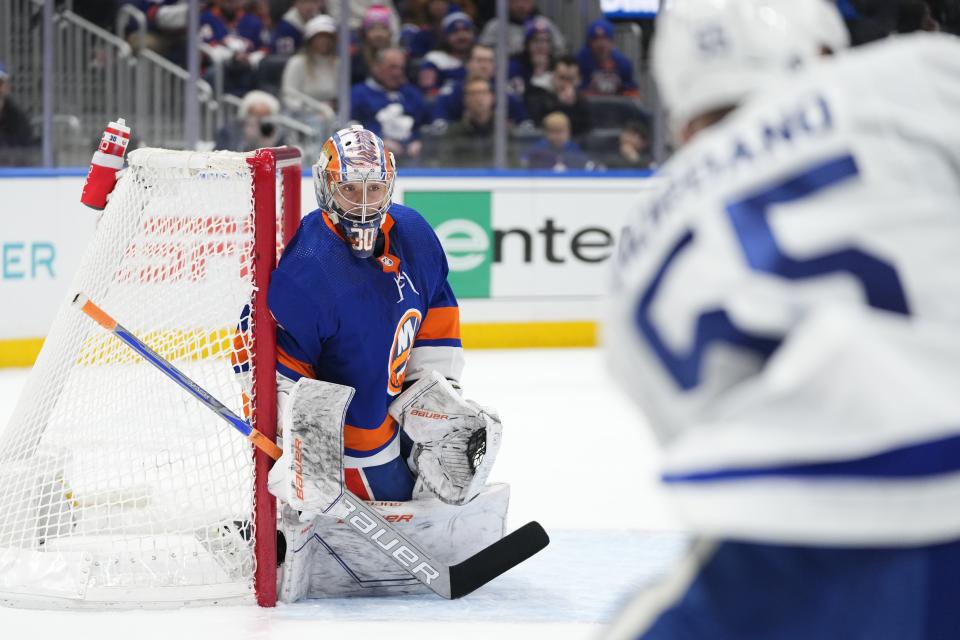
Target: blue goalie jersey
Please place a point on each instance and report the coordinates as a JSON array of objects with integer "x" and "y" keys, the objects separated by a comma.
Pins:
[{"x": 370, "y": 324}]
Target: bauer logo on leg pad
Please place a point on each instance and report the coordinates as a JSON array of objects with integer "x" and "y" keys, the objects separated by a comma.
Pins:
[
  {"x": 388, "y": 541},
  {"x": 430, "y": 415},
  {"x": 298, "y": 467},
  {"x": 309, "y": 476}
]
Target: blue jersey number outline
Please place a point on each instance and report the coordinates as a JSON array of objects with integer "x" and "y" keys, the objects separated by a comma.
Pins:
[{"x": 750, "y": 220}]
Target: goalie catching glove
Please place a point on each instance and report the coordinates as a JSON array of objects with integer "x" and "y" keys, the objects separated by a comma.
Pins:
[{"x": 455, "y": 441}]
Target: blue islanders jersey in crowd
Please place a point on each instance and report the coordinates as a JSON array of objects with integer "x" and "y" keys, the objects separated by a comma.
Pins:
[
  {"x": 444, "y": 68},
  {"x": 287, "y": 36},
  {"x": 150, "y": 9},
  {"x": 449, "y": 104},
  {"x": 370, "y": 324},
  {"x": 610, "y": 77},
  {"x": 394, "y": 115},
  {"x": 245, "y": 32}
]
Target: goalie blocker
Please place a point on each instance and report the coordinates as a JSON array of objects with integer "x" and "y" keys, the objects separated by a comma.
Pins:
[{"x": 324, "y": 556}]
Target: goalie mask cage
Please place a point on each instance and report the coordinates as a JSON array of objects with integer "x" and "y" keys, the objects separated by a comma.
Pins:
[{"x": 117, "y": 488}]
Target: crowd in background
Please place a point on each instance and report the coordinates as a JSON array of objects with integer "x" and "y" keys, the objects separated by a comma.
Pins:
[{"x": 422, "y": 74}]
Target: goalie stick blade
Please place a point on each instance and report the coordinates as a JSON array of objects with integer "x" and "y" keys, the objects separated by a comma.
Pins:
[{"x": 497, "y": 559}]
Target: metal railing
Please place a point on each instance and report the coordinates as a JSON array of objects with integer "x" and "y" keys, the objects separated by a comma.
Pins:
[
  {"x": 21, "y": 50},
  {"x": 99, "y": 76},
  {"x": 307, "y": 137},
  {"x": 95, "y": 75},
  {"x": 128, "y": 13},
  {"x": 160, "y": 103}
]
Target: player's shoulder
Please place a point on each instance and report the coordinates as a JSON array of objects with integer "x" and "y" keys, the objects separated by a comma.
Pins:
[
  {"x": 310, "y": 226},
  {"x": 312, "y": 251},
  {"x": 893, "y": 65},
  {"x": 412, "y": 226},
  {"x": 922, "y": 47},
  {"x": 407, "y": 217},
  {"x": 916, "y": 70}
]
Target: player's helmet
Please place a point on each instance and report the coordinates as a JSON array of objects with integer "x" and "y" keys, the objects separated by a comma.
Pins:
[
  {"x": 712, "y": 54},
  {"x": 354, "y": 183}
]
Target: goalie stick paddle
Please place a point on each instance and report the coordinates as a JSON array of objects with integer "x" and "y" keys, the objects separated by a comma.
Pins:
[{"x": 448, "y": 581}]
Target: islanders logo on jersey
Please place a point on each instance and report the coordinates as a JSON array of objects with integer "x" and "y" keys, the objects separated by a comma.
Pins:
[{"x": 401, "y": 348}]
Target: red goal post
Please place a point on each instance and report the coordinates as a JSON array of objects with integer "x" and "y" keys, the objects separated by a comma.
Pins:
[{"x": 266, "y": 163}]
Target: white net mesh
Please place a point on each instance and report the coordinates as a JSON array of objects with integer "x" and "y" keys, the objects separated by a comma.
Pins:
[{"x": 117, "y": 487}]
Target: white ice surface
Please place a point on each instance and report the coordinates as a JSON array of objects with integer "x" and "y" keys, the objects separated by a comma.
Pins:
[{"x": 579, "y": 461}]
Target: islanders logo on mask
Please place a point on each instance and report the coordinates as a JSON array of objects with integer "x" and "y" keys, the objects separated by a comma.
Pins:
[{"x": 401, "y": 348}]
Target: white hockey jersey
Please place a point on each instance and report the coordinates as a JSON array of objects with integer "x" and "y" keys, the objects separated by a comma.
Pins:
[{"x": 787, "y": 309}]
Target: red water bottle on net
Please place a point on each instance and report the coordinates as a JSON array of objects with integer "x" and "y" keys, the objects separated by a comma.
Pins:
[{"x": 106, "y": 162}]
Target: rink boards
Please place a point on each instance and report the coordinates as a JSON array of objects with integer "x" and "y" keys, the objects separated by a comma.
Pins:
[{"x": 528, "y": 252}]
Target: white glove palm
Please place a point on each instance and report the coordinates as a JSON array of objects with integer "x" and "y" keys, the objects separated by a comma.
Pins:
[{"x": 455, "y": 441}]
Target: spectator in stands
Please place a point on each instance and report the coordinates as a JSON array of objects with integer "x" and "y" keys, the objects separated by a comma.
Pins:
[
  {"x": 261, "y": 9},
  {"x": 314, "y": 72},
  {"x": 16, "y": 134},
  {"x": 442, "y": 67},
  {"x": 448, "y": 106},
  {"x": 533, "y": 66},
  {"x": 633, "y": 149},
  {"x": 556, "y": 150},
  {"x": 428, "y": 17},
  {"x": 375, "y": 35},
  {"x": 469, "y": 141},
  {"x": 166, "y": 22},
  {"x": 289, "y": 34},
  {"x": 255, "y": 127},
  {"x": 518, "y": 13},
  {"x": 359, "y": 10},
  {"x": 390, "y": 106},
  {"x": 604, "y": 70},
  {"x": 236, "y": 42},
  {"x": 565, "y": 97}
]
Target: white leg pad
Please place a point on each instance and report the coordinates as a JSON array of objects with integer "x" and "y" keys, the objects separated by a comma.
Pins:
[
  {"x": 294, "y": 574},
  {"x": 309, "y": 474}
]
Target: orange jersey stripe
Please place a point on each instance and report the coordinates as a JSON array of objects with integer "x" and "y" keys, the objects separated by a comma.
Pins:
[
  {"x": 369, "y": 439},
  {"x": 331, "y": 226},
  {"x": 293, "y": 364},
  {"x": 441, "y": 323}
]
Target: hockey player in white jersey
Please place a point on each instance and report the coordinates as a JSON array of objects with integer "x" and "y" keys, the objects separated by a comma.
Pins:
[{"x": 786, "y": 310}]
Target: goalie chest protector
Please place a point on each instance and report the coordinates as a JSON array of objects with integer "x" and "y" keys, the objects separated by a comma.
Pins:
[{"x": 358, "y": 322}]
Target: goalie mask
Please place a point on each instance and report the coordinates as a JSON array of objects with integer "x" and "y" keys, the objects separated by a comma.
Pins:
[{"x": 354, "y": 183}]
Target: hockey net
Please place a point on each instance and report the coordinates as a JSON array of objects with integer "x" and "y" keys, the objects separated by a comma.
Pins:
[{"x": 116, "y": 487}]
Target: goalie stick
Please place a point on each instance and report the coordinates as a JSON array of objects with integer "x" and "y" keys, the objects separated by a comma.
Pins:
[{"x": 449, "y": 581}]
